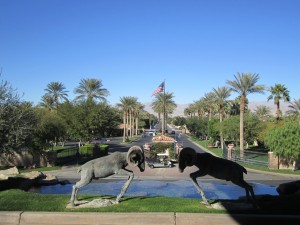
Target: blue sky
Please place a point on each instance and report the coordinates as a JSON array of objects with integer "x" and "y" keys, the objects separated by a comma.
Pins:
[{"x": 134, "y": 45}]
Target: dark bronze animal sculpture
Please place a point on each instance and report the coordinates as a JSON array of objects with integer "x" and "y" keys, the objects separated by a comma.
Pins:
[
  {"x": 114, "y": 163},
  {"x": 216, "y": 167}
]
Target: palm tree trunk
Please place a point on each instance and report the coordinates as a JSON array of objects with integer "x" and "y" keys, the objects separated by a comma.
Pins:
[
  {"x": 221, "y": 120},
  {"x": 136, "y": 125},
  {"x": 124, "y": 126},
  {"x": 242, "y": 110},
  {"x": 277, "y": 110}
]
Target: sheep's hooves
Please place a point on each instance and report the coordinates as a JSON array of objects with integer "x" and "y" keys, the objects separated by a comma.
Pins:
[{"x": 206, "y": 203}]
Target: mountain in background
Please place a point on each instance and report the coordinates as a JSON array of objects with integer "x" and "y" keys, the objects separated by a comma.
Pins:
[{"x": 179, "y": 111}]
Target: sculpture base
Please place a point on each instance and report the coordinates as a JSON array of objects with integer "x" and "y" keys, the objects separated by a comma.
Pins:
[
  {"x": 232, "y": 206},
  {"x": 96, "y": 203}
]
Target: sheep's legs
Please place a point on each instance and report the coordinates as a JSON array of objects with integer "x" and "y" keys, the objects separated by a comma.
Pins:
[
  {"x": 127, "y": 183},
  {"x": 85, "y": 180},
  {"x": 194, "y": 176},
  {"x": 248, "y": 189}
]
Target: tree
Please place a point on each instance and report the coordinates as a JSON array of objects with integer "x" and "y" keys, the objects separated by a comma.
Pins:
[
  {"x": 163, "y": 103},
  {"x": 294, "y": 109},
  {"x": 50, "y": 129},
  {"x": 221, "y": 93},
  {"x": 285, "y": 141},
  {"x": 127, "y": 104},
  {"x": 210, "y": 101},
  {"x": 47, "y": 102},
  {"x": 179, "y": 121},
  {"x": 85, "y": 121},
  {"x": 244, "y": 84},
  {"x": 263, "y": 112},
  {"x": 90, "y": 89},
  {"x": 279, "y": 92},
  {"x": 190, "y": 110},
  {"x": 197, "y": 126},
  {"x": 57, "y": 91},
  {"x": 17, "y": 120}
]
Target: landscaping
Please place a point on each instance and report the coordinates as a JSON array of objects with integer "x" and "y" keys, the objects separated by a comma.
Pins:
[{"x": 18, "y": 200}]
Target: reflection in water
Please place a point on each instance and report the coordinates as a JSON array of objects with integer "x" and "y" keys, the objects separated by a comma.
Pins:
[{"x": 181, "y": 189}]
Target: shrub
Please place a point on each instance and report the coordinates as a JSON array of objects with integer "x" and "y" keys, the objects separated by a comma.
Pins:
[
  {"x": 94, "y": 150},
  {"x": 285, "y": 140},
  {"x": 160, "y": 147}
]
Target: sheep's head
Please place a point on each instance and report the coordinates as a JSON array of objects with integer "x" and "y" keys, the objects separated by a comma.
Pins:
[
  {"x": 135, "y": 157},
  {"x": 187, "y": 157}
]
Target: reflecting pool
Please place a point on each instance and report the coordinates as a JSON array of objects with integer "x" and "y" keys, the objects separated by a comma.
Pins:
[{"x": 180, "y": 189}]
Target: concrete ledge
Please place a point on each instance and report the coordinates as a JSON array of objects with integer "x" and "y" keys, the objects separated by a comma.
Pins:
[
  {"x": 44, "y": 218},
  {"x": 10, "y": 218},
  {"x": 80, "y": 218},
  {"x": 233, "y": 219}
]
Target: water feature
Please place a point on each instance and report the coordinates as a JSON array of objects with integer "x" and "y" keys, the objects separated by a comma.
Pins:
[{"x": 180, "y": 189}]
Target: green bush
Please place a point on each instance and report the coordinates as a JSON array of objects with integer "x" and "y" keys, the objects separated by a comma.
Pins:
[
  {"x": 160, "y": 147},
  {"x": 285, "y": 140},
  {"x": 94, "y": 150}
]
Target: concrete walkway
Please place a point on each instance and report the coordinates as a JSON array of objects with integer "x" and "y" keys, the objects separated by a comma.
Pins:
[{"x": 45, "y": 218}]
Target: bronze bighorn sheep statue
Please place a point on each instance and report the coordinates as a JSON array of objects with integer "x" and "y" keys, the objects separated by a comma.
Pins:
[
  {"x": 114, "y": 163},
  {"x": 216, "y": 167}
]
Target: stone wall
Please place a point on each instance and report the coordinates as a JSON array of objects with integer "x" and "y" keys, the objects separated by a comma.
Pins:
[
  {"x": 276, "y": 162},
  {"x": 23, "y": 158}
]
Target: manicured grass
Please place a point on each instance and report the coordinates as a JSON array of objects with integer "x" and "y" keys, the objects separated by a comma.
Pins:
[
  {"x": 41, "y": 169},
  {"x": 17, "y": 200}
]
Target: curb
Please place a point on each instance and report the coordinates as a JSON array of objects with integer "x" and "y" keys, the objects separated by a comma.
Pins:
[{"x": 53, "y": 218}]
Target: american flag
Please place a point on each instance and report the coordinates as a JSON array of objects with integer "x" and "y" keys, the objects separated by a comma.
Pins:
[{"x": 160, "y": 88}]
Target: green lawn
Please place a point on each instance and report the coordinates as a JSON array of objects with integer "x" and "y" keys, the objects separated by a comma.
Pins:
[{"x": 17, "y": 200}]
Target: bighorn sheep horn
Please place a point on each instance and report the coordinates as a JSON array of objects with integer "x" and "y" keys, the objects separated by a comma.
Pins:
[
  {"x": 135, "y": 155},
  {"x": 189, "y": 155}
]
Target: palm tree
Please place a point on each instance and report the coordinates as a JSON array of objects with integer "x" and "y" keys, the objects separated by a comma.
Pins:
[
  {"x": 47, "y": 102},
  {"x": 127, "y": 105},
  {"x": 90, "y": 89},
  {"x": 244, "y": 84},
  {"x": 57, "y": 91},
  {"x": 163, "y": 104},
  {"x": 294, "y": 109},
  {"x": 188, "y": 111},
  {"x": 263, "y": 112},
  {"x": 210, "y": 99},
  {"x": 278, "y": 92},
  {"x": 221, "y": 93},
  {"x": 138, "y": 108}
]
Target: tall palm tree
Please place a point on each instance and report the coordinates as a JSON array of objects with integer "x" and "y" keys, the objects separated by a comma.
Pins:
[
  {"x": 47, "y": 102},
  {"x": 244, "y": 84},
  {"x": 201, "y": 107},
  {"x": 137, "y": 110},
  {"x": 127, "y": 104},
  {"x": 221, "y": 93},
  {"x": 57, "y": 91},
  {"x": 188, "y": 111},
  {"x": 263, "y": 112},
  {"x": 163, "y": 104},
  {"x": 90, "y": 89},
  {"x": 210, "y": 99},
  {"x": 278, "y": 92}
]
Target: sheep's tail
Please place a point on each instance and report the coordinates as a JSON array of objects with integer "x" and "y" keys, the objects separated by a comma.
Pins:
[
  {"x": 79, "y": 169},
  {"x": 244, "y": 170}
]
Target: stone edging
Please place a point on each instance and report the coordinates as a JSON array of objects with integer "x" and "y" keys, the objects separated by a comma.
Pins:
[{"x": 52, "y": 218}]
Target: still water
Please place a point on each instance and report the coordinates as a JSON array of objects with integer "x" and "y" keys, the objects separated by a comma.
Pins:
[{"x": 180, "y": 189}]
